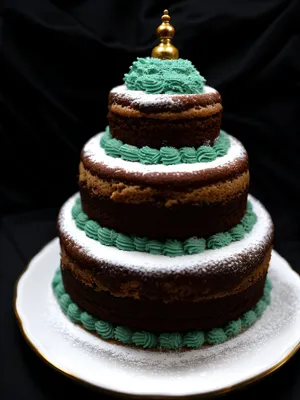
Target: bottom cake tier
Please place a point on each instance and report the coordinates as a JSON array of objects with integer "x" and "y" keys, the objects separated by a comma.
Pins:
[
  {"x": 162, "y": 340},
  {"x": 134, "y": 291}
]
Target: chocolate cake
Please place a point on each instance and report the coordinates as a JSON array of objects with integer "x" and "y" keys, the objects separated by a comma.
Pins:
[{"x": 163, "y": 246}]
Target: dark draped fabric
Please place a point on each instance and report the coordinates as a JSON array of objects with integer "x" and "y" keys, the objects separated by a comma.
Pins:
[{"x": 58, "y": 61}]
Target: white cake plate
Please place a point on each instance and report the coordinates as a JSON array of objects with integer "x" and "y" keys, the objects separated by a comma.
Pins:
[{"x": 122, "y": 370}]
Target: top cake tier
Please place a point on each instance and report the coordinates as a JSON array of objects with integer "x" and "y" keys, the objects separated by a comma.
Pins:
[{"x": 155, "y": 120}]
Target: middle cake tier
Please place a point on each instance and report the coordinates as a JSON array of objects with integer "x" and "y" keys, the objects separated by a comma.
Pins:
[{"x": 164, "y": 201}]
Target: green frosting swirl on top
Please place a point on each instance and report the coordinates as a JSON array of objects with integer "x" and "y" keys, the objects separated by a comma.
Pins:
[
  {"x": 150, "y": 84},
  {"x": 155, "y": 76},
  {"x": 165, "y": 155},
  {"x": 170, "y": 248},
  {"x": 174, "y": 340}
]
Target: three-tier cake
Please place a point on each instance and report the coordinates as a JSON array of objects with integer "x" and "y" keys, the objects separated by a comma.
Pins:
[{"x": 163, "y": 247}]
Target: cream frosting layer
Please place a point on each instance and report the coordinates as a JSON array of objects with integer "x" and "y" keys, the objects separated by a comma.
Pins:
[{"x": 227, "y": 258}]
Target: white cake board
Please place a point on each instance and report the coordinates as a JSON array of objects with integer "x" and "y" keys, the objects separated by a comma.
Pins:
[{"x": 124, "y": 370}]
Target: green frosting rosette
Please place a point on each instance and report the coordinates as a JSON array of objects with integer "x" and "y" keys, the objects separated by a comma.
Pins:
[
  {"x": 91, "y": 229},
  {"x": 194, "y": 339},
  {"x": 216, "y": 336},
  {"x": 124, "y": 242},
  {"x": 172, "y": 340},
  {"x": 233, "y": 328},
  {"x": 123, "y": 334},
  {"x": 147, "y": 340},
  {"x": 107, "y": 236},
  {"x": 140, "y": 243},
  {"x": 64, "y": 302},
  {"x": 155, "y": 76},
  {"x": 105, "y": 329},
  {"x": 154, "y": 247},
  {"x": 194, "y": 245},
  {"x": 81, "y": 219},
  {"x": 88, "y": 321},
  {"x": 173, "y": 248},
  {"x": 74, "y": 313}
]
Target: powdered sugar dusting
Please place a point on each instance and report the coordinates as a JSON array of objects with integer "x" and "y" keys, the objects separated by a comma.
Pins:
[
  {"x": 147, "y": 100},
  {"x": 227, "y": 257},
  {"x": 133, "y": 371},
  {"x": 158, "y": 361},
  {"x": 96, "y": 154}
]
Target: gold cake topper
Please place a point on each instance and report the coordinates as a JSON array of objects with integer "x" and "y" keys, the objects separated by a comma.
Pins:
[{"x": 165, "y": 50}]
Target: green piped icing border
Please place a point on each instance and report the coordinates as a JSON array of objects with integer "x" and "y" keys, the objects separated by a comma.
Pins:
[
  {"x": 165, "y": 155},
  {"x": 171, "y": 247},
  {"x": 150, "y": 340}
]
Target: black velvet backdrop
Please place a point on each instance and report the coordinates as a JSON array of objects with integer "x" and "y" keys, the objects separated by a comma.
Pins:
[{"x": 60, "y": 58}]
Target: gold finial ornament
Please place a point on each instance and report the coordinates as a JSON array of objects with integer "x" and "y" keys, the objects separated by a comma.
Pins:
[{"x": 165, "y": 50}]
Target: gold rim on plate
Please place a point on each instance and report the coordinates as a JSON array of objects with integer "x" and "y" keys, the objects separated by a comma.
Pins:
[{"x": 75, "y": 378}]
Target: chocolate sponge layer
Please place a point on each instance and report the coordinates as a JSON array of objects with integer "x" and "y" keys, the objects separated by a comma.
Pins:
[
  {"x": 157, "y": 133},
  {"x": 177, "y": 120},
  {"x": 159, "y": 316},
  {"x": 153, "y": 220}
]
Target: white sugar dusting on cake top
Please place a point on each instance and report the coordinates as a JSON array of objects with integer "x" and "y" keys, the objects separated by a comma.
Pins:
[
  {"x": 96, "y": 154},
  {"x": 147, "y": 100},
  {"x": 228, "y": 257}
]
